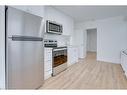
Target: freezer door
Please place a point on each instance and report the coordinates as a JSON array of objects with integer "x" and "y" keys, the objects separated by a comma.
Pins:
[
  {"x": 25, "y": 62},
  {"x": 23, "y": 23}
]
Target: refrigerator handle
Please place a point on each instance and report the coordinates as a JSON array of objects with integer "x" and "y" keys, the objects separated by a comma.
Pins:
[{"x": 25, "y": 38}]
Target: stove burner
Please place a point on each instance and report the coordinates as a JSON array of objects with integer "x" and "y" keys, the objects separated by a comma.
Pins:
[{"x": 50, "y": 43}]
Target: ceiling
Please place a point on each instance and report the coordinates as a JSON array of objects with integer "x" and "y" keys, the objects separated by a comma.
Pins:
[{"x": 88, "y": 13}]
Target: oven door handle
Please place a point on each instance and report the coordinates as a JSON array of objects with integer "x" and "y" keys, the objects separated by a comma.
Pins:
[{"x": 59, "y": 49}]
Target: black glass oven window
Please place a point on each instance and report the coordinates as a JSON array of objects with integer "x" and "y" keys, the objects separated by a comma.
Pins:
[{"x": 60, "y": 57}]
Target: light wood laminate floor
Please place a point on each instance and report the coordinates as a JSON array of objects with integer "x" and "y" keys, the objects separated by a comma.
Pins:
[{"x": 89, "y": 74}]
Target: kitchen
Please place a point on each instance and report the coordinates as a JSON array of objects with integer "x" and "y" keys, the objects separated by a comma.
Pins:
[
  {"x": 61, "y": 40},
  {"x": 59, "y": 50}
]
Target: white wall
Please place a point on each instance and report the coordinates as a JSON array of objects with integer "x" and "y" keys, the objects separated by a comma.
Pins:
[
  {"x": 78, "y": 37},
  {"x": 34, "y": 9},
  {"x": 67, "y": 22},
  {"x": 111, "y": 37},
  {"x": 92, "y": 40},
  {"x": 61, "y": 40},
  {"x": 79, "y": 40},
  {"x": 2, "y": 48}
]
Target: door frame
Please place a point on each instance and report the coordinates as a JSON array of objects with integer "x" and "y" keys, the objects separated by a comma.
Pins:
[{"x": 85, "y": 40}]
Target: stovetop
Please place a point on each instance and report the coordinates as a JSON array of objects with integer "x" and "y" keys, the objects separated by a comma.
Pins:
[{"x": 52, "y": 44}]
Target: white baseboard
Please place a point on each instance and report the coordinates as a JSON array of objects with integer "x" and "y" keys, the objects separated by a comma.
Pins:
[{"x": 111, "y": 60}]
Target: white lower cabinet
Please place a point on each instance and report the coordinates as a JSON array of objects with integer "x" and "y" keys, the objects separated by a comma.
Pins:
[
  {"x": 81, "y": 52},
  {"x": 72, "y": 55},
  {"x": 47, "y": 63},
  {"x": 124, "y": 62}
]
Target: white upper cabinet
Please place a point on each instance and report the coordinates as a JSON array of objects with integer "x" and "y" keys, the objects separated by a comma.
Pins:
[{"x": 36, "y": 10}]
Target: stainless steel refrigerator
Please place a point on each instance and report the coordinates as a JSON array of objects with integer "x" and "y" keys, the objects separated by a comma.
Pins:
[{"x": 24, "y": 50}]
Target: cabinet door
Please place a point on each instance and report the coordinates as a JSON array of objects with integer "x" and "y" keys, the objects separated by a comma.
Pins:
[
  {"x": 122, "y": 60},
  {"x": 47, "y": 62},
  {"x": 47, "y": 54},
  {"x": 72, "y": 55},
  {"x": 47, "y": 74},
  {"x": 48, "y": 66},
  {"x": 81, "y": 52},
  {"x": 75, "y": 56},
  {"x": 125, "y": 63}
]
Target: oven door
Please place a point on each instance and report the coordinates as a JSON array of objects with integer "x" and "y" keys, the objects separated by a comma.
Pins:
[
  {"x": 59, "y": 57},
  {"x": 59, "y": 60}
]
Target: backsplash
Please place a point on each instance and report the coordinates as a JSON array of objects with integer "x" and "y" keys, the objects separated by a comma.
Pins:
[{"x": 61, "y": 39}]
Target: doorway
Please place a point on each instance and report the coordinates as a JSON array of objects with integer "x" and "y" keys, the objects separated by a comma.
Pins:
[{"x": 91, "y": 43}]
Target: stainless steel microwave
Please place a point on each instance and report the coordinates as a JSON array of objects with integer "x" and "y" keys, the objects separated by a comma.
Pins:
[{"x": 53, "y": 27}]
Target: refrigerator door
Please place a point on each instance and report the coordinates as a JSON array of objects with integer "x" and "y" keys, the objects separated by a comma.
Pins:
[
  {"x": 23, "y": 23},
  {"x": 24, "y": 50}
]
